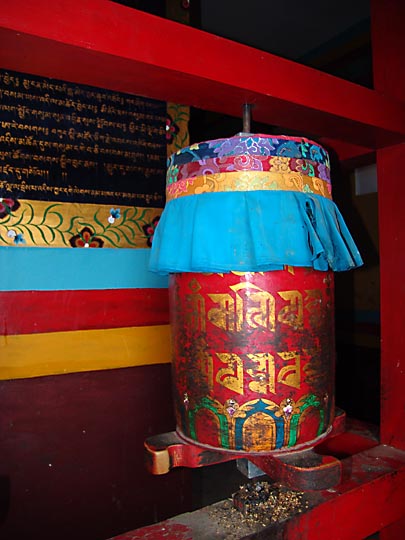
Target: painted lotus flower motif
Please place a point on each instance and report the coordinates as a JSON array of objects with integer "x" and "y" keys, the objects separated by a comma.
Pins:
[
  {"x": 86, "y": 239},
  {"x": 288, "y": 407},
  {"x": 171, "y": 129},
  {"x": 115, "y": 213},
  {"x": 7, "y": 206},
  {"x": 150, "y": 229},
  {"x": 18, "y": 238}
]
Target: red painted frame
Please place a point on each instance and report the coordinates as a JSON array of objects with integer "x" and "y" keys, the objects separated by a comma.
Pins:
[
  {"x": 105, "y": 44},
  {"x": 109, "y": 45}
]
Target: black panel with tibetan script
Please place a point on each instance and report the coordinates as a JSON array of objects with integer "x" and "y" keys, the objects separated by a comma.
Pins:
[{"x": 73, "y": 143}]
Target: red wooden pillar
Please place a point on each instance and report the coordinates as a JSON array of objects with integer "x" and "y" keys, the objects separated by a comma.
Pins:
[
  {"x": 389, "y": 78},
  {"x": 388, "y": 18}
]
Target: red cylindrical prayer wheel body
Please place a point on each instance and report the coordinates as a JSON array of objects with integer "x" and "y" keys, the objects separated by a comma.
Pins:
[
  {"x": 253, "y": 349},
  {"x": 253, "y": 358}
]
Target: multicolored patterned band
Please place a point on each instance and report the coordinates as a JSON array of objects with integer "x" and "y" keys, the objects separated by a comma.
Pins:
[
  {"x": 246, "y": 162},
  {"x": 248, "y": 181},
  {"x": 253, "y": 145},
  {"x": 249, "y": 163}
]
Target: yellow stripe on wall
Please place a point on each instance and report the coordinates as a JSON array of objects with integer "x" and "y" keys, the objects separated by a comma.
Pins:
[{"x": 34, "y": 355}]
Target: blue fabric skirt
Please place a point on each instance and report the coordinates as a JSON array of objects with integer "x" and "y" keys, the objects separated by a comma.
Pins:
[{"x": 252, "y": 232}]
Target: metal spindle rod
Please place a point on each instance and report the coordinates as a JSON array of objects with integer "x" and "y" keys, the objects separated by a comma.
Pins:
[{"x": 247, "y": 114}]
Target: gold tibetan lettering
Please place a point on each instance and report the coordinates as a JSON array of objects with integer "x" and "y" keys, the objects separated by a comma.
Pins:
[
  {"x": 290, "y": 375},
  {"x": 292, "y": 314},
  {"x": 231, "y": 376},
  {"x": 195, "y": 311},
  {"x": 263, "y": 373},
  {"x": 254, "y": 306},
  {"x": 224, "y": 315}
]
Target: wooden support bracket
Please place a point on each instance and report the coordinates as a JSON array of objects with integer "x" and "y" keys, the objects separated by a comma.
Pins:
[{"x": 304, "y": 469}]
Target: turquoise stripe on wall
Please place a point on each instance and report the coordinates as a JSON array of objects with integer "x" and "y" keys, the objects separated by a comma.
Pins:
[{"x": 54, "y": 269}]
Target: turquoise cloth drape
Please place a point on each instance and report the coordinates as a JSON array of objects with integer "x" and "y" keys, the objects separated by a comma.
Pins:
[{"x": 251, "y": 232}]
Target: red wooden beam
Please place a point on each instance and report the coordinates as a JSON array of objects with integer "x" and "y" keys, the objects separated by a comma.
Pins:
[
  {"x": 350, "y": 155},
  {"x": 104, "y": 44}
]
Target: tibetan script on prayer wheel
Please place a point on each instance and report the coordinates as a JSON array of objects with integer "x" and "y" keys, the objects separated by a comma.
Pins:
[{"x": 253, "y": 358}]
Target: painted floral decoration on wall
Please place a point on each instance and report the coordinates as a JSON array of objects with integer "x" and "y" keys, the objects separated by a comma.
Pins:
[
  {"x": 68, "y": 225},
  {"x": 7, "y": 206},
  {"x": 171, "y": 129},
  {"x": 149, "y": 230},
  {"x": 86, "y": 238}
]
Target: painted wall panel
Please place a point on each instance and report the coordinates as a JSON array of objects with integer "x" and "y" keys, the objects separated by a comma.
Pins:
[{"x": 71, "y": 457}]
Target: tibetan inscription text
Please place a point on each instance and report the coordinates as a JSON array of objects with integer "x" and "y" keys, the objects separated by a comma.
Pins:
[{"x": 72, "y": 143}]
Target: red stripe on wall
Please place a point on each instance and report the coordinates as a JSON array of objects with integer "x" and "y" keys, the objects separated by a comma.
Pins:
[{"x": 30, "y": 312}]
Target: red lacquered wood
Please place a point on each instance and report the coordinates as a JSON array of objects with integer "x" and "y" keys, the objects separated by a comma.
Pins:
[
  {"x": 389, "y": 59},
  {"x": 395, "y": 531},
  {"x": 387, "y": 26},
  {"x": 166, "y": 529},
  {"x": 32, "y": 312},
  {"x": 351, "y": 155},
  {"x": 370, "y": 498},
  {"x": 392, "y": 259},
  {"x": 303, "y": 470},
  {"x": 105, "y": 44}
]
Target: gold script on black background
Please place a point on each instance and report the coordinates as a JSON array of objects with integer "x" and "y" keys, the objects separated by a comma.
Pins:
[{"x": 74, "y": 143}]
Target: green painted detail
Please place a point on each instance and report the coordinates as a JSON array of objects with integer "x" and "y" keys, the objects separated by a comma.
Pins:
[
  {"x": 180, "y": 115},
  {"x": 310, "y": 401},
  {"x": 321, "y": 428},
  {"x": 293, "y": 429},
  {"x": 208, "y": 403}
]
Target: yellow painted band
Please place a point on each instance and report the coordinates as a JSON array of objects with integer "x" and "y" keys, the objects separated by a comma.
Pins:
[
  {"x": 56, "y": 224},
  {"x": 248, "y": 181},
  {"x": 35, "y": 355}
]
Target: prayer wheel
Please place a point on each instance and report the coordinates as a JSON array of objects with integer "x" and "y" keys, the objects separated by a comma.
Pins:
[{"x": 251, "y": 237}]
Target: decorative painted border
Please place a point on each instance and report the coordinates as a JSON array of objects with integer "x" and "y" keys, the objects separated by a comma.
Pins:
[
  {"x": 258, "y": 145},
  {"x": 247, "y": 162},
  {"x": 46, "y": 224},
  {"x": 37, "y": 223},
  {"x": 177, "y": 134},
  {"x": 286, "y": 417}
]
